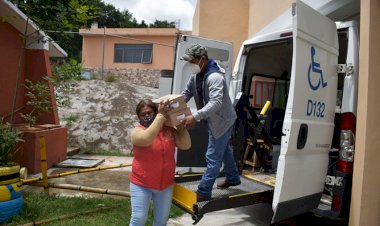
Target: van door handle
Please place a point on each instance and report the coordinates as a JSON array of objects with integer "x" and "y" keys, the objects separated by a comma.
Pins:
[{"x": 302, "y": 136}]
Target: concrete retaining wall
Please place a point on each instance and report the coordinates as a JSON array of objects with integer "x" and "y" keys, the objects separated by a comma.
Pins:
[{"x": 144, "y": 77}]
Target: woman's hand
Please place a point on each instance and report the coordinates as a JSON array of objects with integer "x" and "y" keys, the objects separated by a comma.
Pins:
[
  {"x": 181, "y": 126},
  {"x": 164, "y": 107}
]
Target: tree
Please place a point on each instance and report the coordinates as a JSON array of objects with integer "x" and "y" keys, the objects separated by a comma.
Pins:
[
  {"x": 128, "y": 20},
  {"x": 109, "y": 16},
  {"x": 143, "y": 24},
  {"x": 59, "y": 18},
  {"x": 162, "y": 24}
]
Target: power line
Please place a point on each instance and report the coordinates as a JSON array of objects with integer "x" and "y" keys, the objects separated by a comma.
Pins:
[{"x": 111, "y": 35}]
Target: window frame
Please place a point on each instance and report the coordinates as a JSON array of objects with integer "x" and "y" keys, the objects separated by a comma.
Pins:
[{"x": 136, "y": 50}]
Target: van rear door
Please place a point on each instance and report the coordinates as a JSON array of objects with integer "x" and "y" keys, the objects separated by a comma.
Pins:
[
  {"x": 222, "y": 53},
  {"x": 309, "y": 118},
  {"x": 217, "y": 50}
]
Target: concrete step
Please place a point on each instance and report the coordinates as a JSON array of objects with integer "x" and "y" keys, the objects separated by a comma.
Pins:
[{"x": 72, "y": 151}]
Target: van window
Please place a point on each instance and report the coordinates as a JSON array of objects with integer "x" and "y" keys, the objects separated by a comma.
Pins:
[{"x": 220, "y": 54}]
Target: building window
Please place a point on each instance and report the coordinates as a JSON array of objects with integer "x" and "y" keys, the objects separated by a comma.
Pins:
[{"x": 133, "y": 53}]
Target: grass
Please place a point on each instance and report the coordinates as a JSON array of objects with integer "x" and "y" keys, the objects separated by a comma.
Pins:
[
  {"x": 110, "y": 78},
  {"x": 107, "y": 152},
  {"x": 38, "y": 206},
  {"x": 71, "y": 119}
]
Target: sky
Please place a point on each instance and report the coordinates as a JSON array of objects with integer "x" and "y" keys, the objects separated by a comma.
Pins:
[{"x": 181, "y": 11}]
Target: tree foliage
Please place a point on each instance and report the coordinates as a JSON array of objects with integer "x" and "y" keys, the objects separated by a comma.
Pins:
[
  {"x": 109, "y": 16},
  {"x": 38, "y": 100},
  {"x": 59, "y": 18},
  {"x": 9, "y": 138},
  {"x": 162, "y": 23},
  {"x": 63, "y": 76}
]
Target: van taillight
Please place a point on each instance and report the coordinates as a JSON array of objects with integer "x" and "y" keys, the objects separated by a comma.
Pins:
[
  {"x": 347, "y": 143},
  {"x": 336, "y": 203},
  {"x": 346, "y": 153},
  {"x": 348, "y": 122}
]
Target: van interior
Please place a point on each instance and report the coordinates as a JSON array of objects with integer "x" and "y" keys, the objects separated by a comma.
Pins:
[{"x": 266, "y": 77}]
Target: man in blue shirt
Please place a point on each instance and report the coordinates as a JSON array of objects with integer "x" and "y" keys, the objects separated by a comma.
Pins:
[{"x": 208, "y": 87}]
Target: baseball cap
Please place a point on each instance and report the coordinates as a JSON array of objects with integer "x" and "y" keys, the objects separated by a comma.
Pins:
[{"x": 194, "y": 51}]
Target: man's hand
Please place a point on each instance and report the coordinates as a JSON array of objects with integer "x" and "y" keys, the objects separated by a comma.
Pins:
[{"x": 190, "y": 122}]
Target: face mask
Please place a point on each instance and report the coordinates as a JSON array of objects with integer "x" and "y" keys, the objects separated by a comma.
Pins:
[
  {"x": 195, "y": 69},
  {"x": 147, "y": 120}
]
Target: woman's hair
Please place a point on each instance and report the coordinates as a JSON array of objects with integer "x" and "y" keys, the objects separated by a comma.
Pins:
[{"x": 143, "y": 103}]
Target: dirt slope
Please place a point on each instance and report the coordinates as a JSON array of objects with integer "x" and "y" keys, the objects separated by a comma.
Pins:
[{"x": 103, "y": 113}]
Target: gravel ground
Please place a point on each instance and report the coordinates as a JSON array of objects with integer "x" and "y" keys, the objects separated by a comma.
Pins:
[{"x": 103, "y": 113}]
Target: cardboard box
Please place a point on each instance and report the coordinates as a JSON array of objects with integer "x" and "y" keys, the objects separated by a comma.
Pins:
[
  {"x": 177, "y": 102},
  {"x": 178, "y": 109},
  {"x": 175, "y": 117}
]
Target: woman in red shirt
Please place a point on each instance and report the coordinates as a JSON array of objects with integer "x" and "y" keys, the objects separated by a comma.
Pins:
[{"x": 153, "y": 166}]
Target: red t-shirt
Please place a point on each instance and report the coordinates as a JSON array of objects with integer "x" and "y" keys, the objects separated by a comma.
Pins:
[{"x": 154, "y": 166}]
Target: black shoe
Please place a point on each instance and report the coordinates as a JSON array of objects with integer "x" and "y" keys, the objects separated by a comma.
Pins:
[
  {"x": 202, "y": 198},
  {"x": 225, "y": 184}
]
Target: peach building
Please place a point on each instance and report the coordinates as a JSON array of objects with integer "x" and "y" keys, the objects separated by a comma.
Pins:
[{"x": 142, "y": 48}]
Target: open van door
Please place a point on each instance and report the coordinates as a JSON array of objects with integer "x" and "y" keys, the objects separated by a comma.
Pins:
[
  {"x": 222, "y": 53},
  {"x": 217, "y": 50},
  {"x": 309, "y": 118}
]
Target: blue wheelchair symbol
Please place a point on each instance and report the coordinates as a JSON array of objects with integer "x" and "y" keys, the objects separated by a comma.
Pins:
[{"x": 315, "y": 67}]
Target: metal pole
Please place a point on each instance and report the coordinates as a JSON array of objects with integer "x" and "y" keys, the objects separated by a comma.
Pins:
[
  {"x": 44, "y": 164},
  {"x": 86, "y": 189},
  {"x": 19, "y": 69},
  {"x": 35, "y": 179}
]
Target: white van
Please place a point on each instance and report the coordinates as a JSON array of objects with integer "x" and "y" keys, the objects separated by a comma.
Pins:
[{"x": 309, "y": 72}]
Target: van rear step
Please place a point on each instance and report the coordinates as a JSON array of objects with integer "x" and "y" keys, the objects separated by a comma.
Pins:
[{"x": 249, "y": 192}]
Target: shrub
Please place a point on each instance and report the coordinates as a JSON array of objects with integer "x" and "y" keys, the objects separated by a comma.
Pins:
[
  {"x": 9, "y": 138},
  {"x": 110, "y": 78}
]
